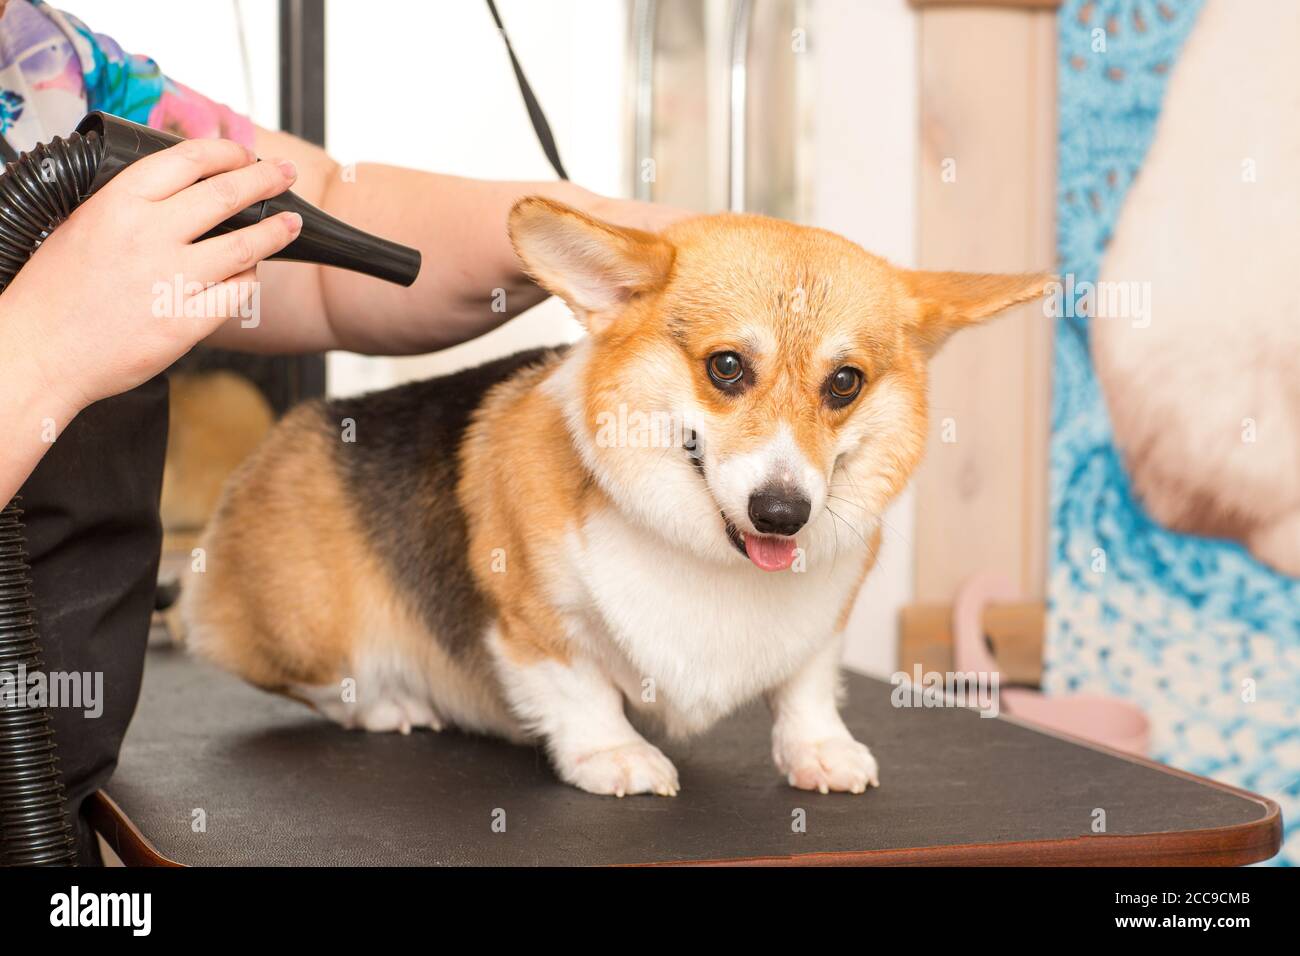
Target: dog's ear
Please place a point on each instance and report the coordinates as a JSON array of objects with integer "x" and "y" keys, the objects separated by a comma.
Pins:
[
  {"x": 949, "y": 301},
  {"x": 595, "y": 267}
]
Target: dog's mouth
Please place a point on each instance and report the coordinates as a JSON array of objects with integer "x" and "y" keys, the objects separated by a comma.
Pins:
[{"x": 767, "y": 552}]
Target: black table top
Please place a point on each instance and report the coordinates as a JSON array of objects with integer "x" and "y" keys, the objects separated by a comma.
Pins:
[{"x": 278, "y": 784}]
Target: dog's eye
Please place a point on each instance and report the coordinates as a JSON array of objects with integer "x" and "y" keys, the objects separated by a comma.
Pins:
[
  {"x": 726, "y": 369},
  {"x": 845, "y": 385}
]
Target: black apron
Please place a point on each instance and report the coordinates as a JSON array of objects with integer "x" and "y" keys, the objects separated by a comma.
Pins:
[{"x": 94, "y": 536}]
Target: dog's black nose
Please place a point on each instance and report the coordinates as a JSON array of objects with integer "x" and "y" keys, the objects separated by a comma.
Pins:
[{"x": 778, "y": 511}]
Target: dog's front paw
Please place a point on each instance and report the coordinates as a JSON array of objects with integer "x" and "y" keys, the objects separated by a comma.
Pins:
[
  {"x": 638, "y": 767},
  {"x": 833, "y": 763}
]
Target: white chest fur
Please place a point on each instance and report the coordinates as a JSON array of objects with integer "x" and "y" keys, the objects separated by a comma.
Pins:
[{"x": 689, "y": 640}]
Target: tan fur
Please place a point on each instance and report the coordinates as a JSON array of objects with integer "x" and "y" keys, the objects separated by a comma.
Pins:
[
  {"x": 293, "y": 595},
  {"x": 217, "y": 419},
  {"x": 290, "y": 627},
  {"x": 298, "y": 627},
  {"x": 521, "y": 487}
]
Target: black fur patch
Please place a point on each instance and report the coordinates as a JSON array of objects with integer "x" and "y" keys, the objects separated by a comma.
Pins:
[{"x": 401, "y": 474}]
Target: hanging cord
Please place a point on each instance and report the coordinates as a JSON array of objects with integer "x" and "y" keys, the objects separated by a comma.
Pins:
[{"x": 535, "y": 114}]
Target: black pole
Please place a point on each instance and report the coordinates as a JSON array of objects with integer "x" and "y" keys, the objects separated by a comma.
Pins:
[
  {"x": 302, "y": 113},
  {"x": 302, "y": 69}
]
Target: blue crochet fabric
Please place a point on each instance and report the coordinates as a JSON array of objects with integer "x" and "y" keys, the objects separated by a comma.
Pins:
[{"x": 1177, "y": 624}]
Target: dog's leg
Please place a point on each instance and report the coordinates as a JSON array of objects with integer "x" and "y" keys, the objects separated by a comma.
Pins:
[
  {"x": 579, "y": 712},
  {"x": 810, "y": 743}
]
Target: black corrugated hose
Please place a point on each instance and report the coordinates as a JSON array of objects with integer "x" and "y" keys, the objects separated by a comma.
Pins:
[
  {"x": 37, "y": 193},
  {"x": 34, "y": 826}
]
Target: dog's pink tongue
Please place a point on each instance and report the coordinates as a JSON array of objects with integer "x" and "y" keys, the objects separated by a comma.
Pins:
[{"x": 770, "y": 554}]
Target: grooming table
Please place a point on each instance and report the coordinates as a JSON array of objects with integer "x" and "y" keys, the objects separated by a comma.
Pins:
[{"x": 280, "y": 785}]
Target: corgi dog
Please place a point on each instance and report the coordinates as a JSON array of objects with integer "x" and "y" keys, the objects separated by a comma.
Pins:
[{"x": 641, "y": 532}]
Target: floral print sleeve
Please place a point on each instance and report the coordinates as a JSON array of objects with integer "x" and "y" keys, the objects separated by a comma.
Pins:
[{"x": 53, "y": 70}]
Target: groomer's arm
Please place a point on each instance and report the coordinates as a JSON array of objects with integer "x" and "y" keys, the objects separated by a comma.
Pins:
[{"x": 459, "y": 226}]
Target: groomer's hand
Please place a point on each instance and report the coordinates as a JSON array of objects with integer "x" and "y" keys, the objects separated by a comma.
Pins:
[{"x": 121, "y": 291}]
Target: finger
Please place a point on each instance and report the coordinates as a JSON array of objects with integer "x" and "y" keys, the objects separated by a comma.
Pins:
[
  {"x": 220, "y": 302},
  {"x": 215, "y": 259},
  {"x": 201, "y": 206},
  {"x": 165, "y": 173}
]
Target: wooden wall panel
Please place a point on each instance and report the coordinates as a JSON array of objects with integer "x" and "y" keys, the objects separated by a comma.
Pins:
[{"x": 987, "y": 106}]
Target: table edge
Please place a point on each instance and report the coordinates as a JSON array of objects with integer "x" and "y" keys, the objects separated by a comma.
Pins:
[{"x": 1233, "y": 845}]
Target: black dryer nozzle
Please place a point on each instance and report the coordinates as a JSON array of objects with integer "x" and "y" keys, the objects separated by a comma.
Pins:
[{"x": 323, "y": 240}]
